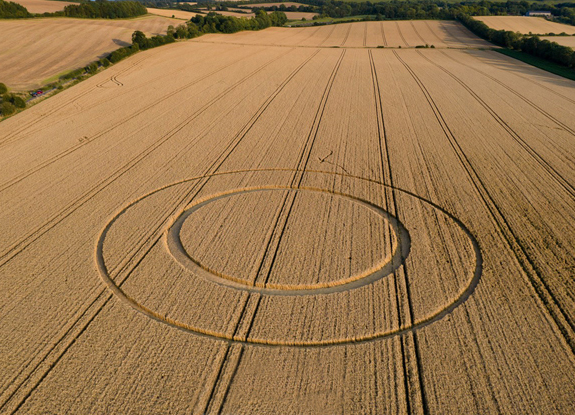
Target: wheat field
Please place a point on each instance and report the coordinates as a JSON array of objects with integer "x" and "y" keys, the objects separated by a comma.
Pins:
[
  {"x": 562, "y": 40},
  {"x": 35, "y": 50},
  {"x": 265, "y": 223},
  {"x": 43, "y": 6},
  {"x": 526, "y": 25}
]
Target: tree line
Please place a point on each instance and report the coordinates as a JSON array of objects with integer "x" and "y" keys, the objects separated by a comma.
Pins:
[
  {"x": 105, "y": 9},
  {"x": 11, "y": 10},
  {"x": 430, "y": 9},
  {"x": 102, "y": 9},
  {"x": 532, "y": 45},
  {"x": 9, "y": 102},
  {"x": 216, "y": 23}
]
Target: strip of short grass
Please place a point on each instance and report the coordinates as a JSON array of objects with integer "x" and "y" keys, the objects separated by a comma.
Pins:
[{"x": 539, "y": 63}]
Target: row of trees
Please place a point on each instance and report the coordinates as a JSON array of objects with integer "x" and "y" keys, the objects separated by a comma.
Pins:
[
  {"x": 10, "y": 102},
  {"x": 11, "y": 10},
  {"x": 216, "y": 23},
  {"x": 434, "y": 9},
  {"x": 141, "y": 42},
  {"x": 105, "y": 9},
  {"x": 532, "y": 45}
]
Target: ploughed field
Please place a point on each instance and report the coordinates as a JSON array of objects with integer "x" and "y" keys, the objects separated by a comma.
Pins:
[
  {"x": 227, "y": 226},
  {"x": 33, "y": 51}
]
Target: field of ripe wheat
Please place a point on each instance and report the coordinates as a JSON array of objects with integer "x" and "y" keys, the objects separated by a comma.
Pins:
[
  {"x": 34, "y": 50},
  {"x": 265, "y": 223},
  {"x": 526, "y": 25}
]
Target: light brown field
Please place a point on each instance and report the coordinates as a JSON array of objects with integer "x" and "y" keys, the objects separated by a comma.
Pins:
[
  {"x": 289, "y": 15},
  {"x": 523, "y": 24},
  {"x": 405, "y": 34},
  {"x": 294, "y": 229},
  {"x": 562, "y": 40},
  {"x": 234, "y": 14},
  {"x": 43, "y": 6},
  {"x": 287, "y": 4},
  {"x": 178, "y": 14},
  {"x": 33, "y": 50},
  {"x": 299, "y": 15}
]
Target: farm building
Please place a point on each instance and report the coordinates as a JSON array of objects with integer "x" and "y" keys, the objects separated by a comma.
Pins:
[{"x": 539, "y": 14}]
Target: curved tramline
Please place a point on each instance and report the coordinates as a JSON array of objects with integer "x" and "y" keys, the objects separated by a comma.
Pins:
[{"x": 293, "y": 220}]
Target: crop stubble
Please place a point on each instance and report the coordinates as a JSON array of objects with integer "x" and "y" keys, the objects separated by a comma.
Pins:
[{"x": 469, "y": 150}]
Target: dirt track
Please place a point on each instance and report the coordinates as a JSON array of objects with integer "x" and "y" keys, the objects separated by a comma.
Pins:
[{"x": 225, "y": 226}]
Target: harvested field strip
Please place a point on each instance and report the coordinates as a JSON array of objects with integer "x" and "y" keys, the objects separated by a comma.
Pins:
[{"x": 536, "y": 282}]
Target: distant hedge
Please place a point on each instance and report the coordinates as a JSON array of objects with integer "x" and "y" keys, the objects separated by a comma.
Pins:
[
  {"x": 213, "y": 23},
  {"x": 105, "y": 9},
  {"x": 10, "y": 10},
  {"x": 532, "y": 45}
]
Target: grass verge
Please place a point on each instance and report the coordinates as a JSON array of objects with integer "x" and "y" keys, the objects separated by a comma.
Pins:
[{"x": 539, "y": 63}]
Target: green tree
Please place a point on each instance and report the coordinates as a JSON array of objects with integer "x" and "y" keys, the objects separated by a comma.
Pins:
[
  {"x": 140, "y": 39},
  {"x": 18, "y": 102},
  {"x": 3, "y": 88},
  {"x": 7, "y": 108}
]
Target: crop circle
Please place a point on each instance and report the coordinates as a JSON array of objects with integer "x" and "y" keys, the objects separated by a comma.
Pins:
[
  {"x": 465, "y": 287},
  {"x": 386, "y": 265}
]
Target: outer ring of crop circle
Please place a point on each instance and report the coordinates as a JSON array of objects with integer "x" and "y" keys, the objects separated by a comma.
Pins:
[
  {"x": 438, "y": 315},
  {"x": 399, "y": 254}
]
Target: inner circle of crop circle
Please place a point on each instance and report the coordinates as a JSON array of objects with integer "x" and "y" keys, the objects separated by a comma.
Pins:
[
  {"x": 460, "y": 298},
  {"x": 401, "y": 244}
]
